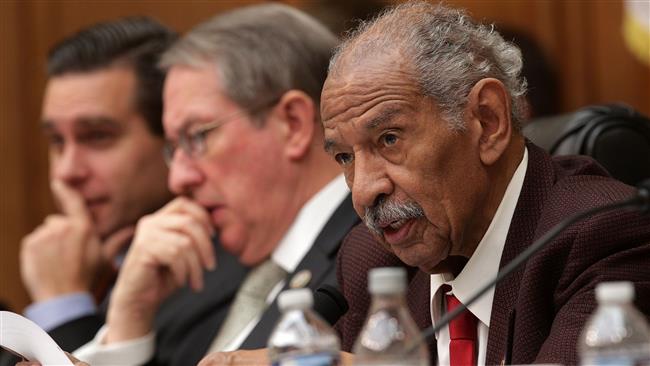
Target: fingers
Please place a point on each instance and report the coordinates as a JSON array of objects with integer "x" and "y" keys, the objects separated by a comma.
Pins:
[
  {"x": 59, "y": 240},
  {"x": 195, "y": 231},
  {"x": 185, "y": 205},
  {"x": 159, "y": 261},
  {"x": 183, "y": 261},
  {"x": 235, "y": 358},
  {"x": 116, "y": 242},
  {"x": 177, "y": 253},
  {"x": 171, "y": 248},
  {"x": 75, "y": 360},
  {"x": 174, "y": 242},
  {"x": 70, "y": 201}
]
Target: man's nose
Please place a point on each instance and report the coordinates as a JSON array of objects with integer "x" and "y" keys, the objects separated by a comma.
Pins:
[
  {"x": 70, "y": 166},
  {"x": 370, "y": 181},
  {"x": 184, "y": 175}
]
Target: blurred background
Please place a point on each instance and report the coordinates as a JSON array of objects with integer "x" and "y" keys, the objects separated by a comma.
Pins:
[{"x": 574, "y": 51}]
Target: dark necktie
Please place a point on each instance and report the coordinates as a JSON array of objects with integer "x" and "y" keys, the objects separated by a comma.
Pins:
[{"x": 463, "y": 335}]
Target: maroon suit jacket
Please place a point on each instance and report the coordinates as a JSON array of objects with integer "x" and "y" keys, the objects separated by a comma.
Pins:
[{"x": 539, "y": 310}]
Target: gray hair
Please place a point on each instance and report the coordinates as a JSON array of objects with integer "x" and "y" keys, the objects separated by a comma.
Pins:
[
  {"x": 260, "y": 53},
  {"x": 448, "y": 52}
]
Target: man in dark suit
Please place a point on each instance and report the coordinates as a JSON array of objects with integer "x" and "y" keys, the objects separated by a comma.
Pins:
[
  {"x": 102, "y": 116},
  {"x": 422, "y": 109},
  {"x": 245, "y": 155}
]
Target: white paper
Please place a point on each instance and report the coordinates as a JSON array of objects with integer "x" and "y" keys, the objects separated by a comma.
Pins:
[{"x": 24, "y": 337}]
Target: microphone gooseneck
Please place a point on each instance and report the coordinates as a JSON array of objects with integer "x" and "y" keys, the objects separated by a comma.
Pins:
[{"x": 641, "y": 201}]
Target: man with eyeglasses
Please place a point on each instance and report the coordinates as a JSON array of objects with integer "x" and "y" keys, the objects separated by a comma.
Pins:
[{"x": 245, "y": 153}]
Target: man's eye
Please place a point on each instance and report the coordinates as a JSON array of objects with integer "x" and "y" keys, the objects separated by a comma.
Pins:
[
  {"x": 96, "y": 138},
  {"x": 343, "y": 158},
  {"x": 56, "y": 142},
  {"x": 389, "y": 139},
  {"x": 197, "y": 138}
]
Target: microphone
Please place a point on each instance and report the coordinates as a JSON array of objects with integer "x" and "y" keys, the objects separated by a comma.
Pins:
[
  {"x": 640, "y": 202},
  {"x": 329, "y": 303}
]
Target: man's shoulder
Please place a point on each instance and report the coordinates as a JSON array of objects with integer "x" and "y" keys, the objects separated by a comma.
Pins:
[
  {"x": 583, "y": 178},
  {"x": 581, "y": 184},
  {"x": 571, "y": 184}
]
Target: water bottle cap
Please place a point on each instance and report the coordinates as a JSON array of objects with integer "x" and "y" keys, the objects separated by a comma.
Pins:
[
  {"x": 615, "y": 292},
  {"x": 300, "y": 298},
  {"x": 387, "y": 280}
]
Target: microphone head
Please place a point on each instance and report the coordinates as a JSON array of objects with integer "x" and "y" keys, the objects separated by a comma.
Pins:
[{"x": 329, "y": 303}]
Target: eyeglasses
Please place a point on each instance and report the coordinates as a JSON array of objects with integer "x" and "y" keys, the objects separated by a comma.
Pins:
[{"x": 194, "y": 144}]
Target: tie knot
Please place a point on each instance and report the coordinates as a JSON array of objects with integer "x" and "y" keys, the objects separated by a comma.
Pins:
[{"x": 262, "y": 279}]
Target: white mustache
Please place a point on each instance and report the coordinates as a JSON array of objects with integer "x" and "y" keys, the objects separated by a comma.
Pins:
[{"x": 386, "y": 212}]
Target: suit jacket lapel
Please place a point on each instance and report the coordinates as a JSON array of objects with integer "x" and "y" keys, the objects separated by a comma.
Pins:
[
  {"x": 320, "y": 260},
  {"x": 539, "y": 176}
]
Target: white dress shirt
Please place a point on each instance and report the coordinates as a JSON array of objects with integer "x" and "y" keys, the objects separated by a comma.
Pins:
[
  {"x": 293, "y": 247},
  {"x": 481, "y": 268}
]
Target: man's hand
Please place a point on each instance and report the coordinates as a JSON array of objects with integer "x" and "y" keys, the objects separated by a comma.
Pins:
[
  {"x": 258, "y": 357},
  {"x": 171, "y": 248},
  {"x": 64, "y": 255}
]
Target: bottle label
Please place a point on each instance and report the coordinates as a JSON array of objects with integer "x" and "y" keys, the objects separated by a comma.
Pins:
[
  {"x": 381, "y": 330},
  {"x": 319, "y": 359}
]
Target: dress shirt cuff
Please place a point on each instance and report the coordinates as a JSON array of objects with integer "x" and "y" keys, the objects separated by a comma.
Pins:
[
  {"x": 57, "y": 311},
  {"x": 133, "y": 352}
]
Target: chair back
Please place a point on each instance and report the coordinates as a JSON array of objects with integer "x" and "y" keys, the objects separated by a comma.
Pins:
[{"x": 616, "y": 136}]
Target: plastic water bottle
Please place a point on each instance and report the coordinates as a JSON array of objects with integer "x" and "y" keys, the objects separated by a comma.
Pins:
[
  {"x": 389, "y": 336},
  {"x": 302, "y": 338},
  {"x": 617, "y": 333}
]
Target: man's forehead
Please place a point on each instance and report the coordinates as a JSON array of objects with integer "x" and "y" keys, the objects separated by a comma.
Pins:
[
  {"x": 82, "y": 122},
  {"x": 107, "y": 93},
  {"x": 192, "y": 95},
  {"x": 346, "y": 99}
]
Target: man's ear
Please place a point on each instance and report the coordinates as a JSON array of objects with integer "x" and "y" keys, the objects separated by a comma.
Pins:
[
  {"x": 296, "y": 114},
  {"x": 489, "y": 107}
]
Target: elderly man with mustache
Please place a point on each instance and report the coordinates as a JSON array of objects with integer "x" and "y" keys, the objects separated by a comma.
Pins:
[{"x": 422, "y": 109}]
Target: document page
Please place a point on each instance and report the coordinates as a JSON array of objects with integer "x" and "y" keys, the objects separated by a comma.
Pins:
[{"x": 24, "y": 337}]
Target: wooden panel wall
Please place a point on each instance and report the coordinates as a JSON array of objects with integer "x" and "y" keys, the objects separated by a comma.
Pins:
[{"x": 582, "y": 38}]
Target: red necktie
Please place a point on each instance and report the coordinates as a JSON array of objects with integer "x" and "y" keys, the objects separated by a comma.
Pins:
[{"x": 462, "y": 332}]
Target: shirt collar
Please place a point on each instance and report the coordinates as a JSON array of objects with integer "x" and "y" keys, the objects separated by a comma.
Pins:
[
  {"x": 483, "y": 265},
  {"x": 308, "y": 224}
]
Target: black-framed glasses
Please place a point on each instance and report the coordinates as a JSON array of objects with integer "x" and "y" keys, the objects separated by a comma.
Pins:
[{"x": 193, "y": 144}]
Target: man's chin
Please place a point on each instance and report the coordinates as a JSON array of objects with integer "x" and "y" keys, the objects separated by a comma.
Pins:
[
  {"x": 105, "y": 231},
  {"x": 233, "y": 245},
  {"x": 251, "y": 258},
  {"x": 417, "y": 255}
]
